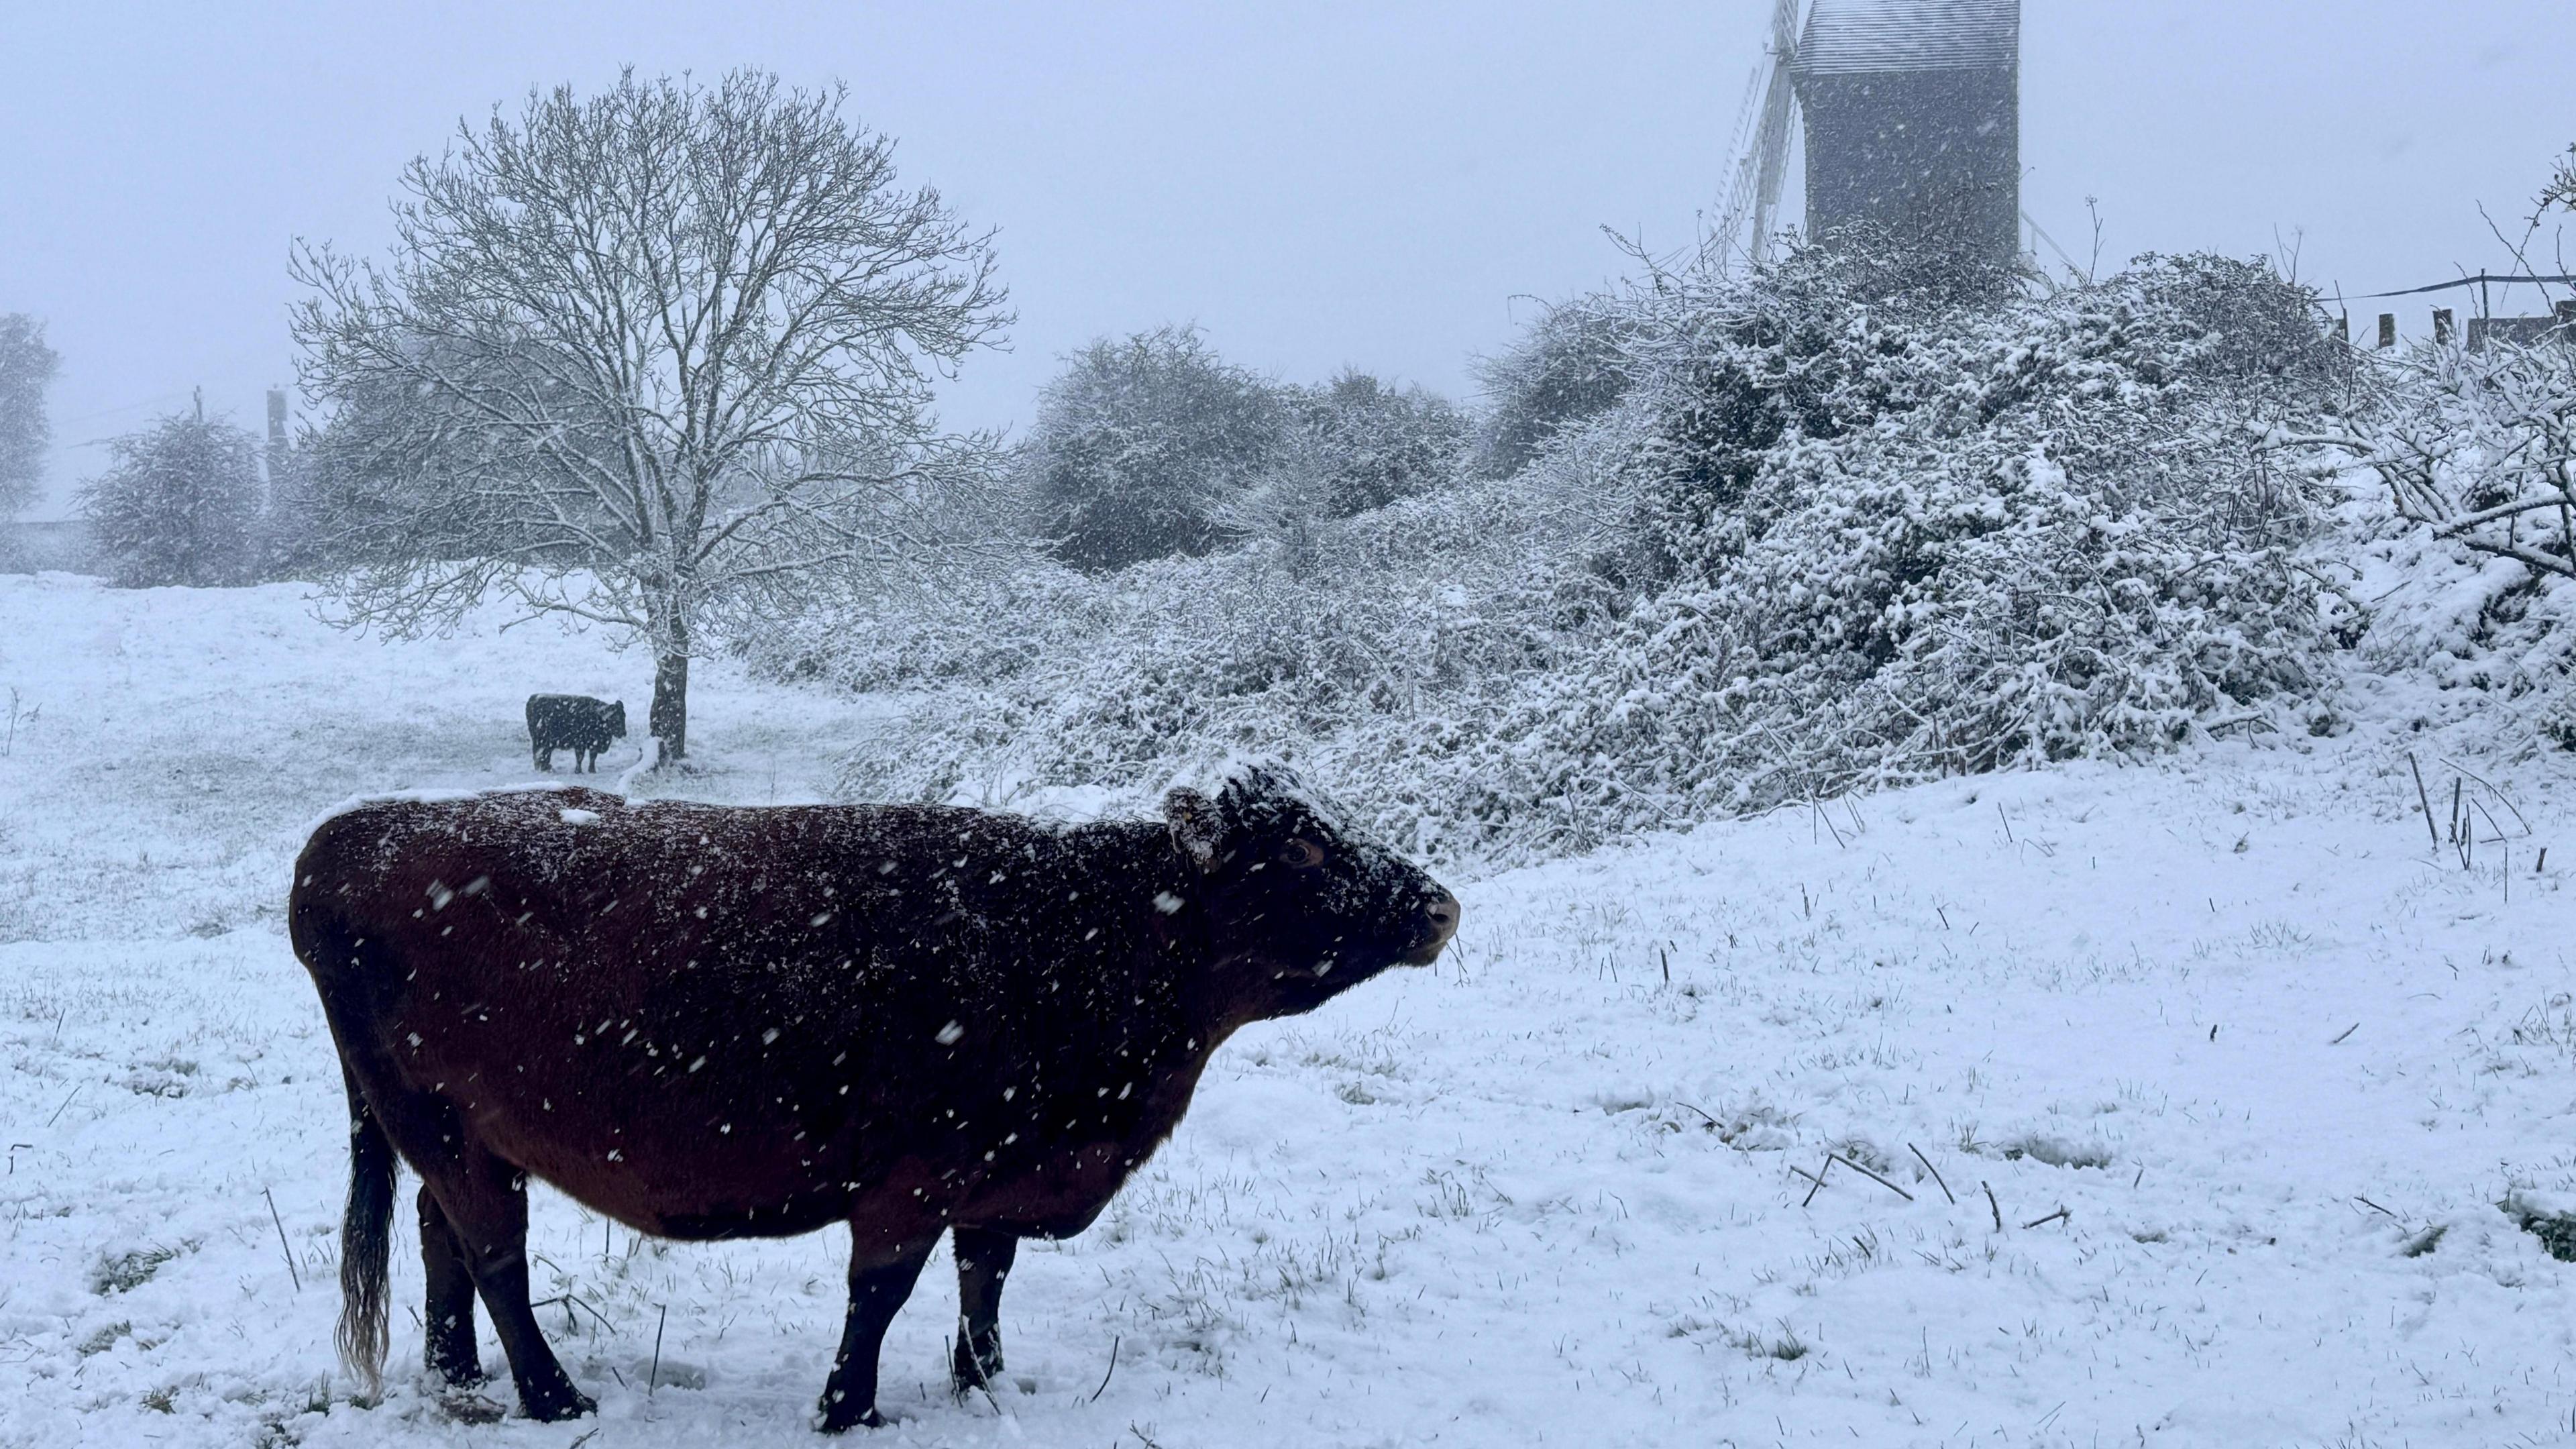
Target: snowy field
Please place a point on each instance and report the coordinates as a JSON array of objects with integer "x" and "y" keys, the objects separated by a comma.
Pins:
[{"x": 2247, "y": 1074}]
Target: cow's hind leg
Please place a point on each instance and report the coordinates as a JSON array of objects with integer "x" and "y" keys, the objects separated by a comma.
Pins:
[
  {"x": 877, "y": 1289},
  {"x": 449, "y": 1318},
  {"x": 983, "y": 1260},
  {"x": 486, "y": 1203}
]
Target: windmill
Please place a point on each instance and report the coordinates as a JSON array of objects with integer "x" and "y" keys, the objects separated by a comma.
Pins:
[{"x": 1911, "y": 117}]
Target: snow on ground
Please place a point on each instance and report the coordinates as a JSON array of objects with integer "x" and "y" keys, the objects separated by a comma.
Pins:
[{"x": 2276, "y": 1060}]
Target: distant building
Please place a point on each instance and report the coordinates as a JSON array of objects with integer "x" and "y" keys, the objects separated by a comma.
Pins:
[{"x": 1913, "y": 120}]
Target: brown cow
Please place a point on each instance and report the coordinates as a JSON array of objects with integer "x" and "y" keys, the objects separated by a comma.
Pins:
[{"x": 712, "y": 1022}]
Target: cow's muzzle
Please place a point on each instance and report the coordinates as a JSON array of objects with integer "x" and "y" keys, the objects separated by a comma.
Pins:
[{"x": 1439, "y": 923}]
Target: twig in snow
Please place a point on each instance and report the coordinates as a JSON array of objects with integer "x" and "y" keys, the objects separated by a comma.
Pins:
[
  {"x": 65, "y": 1107},
  {"x": 1104, "y": 1378},
  {"x": 1936, "y": 1172},
  {"x": 2041, "y": 1222},
  {"x": 2006, "y": 819},
  {"x": 1818, "y": 1179},
  {"x": 1703, "y": 1116},
  {"x": 571, "y": 1301},
  {"x": 1829, "y": 822},
  {"x": 2501, "y": 796},
  {"x": 653, "y": 1379},
  {"x": 2374, "y": 1207},
  {"x": 2424, "y": 800},
  {"x": 1872, "y": 1176},
  {"x": 2347, "y": 1031},
  {"x": 292, "y": 1275},
  {"x": 1993, "y": 1206}
]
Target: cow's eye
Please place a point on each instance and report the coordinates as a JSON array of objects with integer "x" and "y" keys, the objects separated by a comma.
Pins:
[{"x": 1301, "y": 854}]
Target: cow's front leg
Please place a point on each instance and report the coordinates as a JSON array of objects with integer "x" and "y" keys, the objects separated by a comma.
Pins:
[
  {"x": 877, "y": 1288},
  {"x": 983, "y": 1260}
]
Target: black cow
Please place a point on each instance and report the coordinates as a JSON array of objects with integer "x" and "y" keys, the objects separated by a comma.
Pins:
[
  {"x": 713, "y": 1022},
  {"x": 574, "y": 722}
]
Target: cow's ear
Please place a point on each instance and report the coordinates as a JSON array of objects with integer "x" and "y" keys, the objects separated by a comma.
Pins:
[{"x": 1194, "y": 826}]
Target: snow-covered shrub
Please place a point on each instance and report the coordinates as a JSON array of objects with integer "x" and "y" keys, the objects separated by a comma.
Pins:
[
  {"x": 1902, "y": 541},
  {"x": 1375, "y": 443},
  {"x": 1054, "y": 678},
  {"x": 1572, "y": 364},
  {"x": 1145, "y": 446},
  {"x": 1837, "y": 532},
  {"x": 27, "y": 368},
  {"x": 2463, "y": 509},
  {"x": 1139, "y": 441},
  {"x": 178, "y": 504}
]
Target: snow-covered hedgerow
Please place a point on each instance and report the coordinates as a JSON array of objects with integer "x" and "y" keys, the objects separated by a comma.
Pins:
[
  {"x": 2460, "y": 474},
  {"x": 1049, "y": 677},
  {"x": 1893, "y": 542},
  {"x": 1841, "y": 531}
]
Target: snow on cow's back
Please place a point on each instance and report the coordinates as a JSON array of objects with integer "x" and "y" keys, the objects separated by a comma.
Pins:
[{"x": 429, "y": 796}]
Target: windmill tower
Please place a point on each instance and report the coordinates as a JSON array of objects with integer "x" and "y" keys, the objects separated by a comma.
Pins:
[{"x": 1911, "y": 111}]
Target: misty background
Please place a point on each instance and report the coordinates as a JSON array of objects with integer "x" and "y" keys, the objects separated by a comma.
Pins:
[{"x": 1315, "y": 185}]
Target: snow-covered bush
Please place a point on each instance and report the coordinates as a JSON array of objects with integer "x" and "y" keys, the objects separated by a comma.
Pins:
[
  {"x": 2463, "y": 513},
  {"x": 27, "y": 368},
  {"x": 1138, "y": 443},
  {"x": 1055, "y": 678},
  {"x": 178, "y": 504},
  {"x": 1374, "y": 443},
  {"x": 1905, "y": 541},
  {"x": 1837, "y": 532},
  {"x": 1571, "y": 364}
]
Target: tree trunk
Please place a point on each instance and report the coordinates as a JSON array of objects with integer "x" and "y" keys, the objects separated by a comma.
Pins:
[{"x": 669, "y": 716}]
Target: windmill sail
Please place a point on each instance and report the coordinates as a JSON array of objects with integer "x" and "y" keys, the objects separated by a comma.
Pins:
[
  {"x": 1771, "y": 142},
  {"x": 1762, "y": 148}
]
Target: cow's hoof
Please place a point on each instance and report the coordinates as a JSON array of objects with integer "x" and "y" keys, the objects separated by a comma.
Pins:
[
  {"x": 468, "y": 1407},
  {"x": 468, "y": 1375},
  {"x": 976, "y": 1367},
  {"x": 554, "y": 1408},
  {"x": 838, "y": 1420}
]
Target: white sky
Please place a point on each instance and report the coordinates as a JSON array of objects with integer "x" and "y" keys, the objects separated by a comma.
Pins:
[{"x": 1316, "y": 184}]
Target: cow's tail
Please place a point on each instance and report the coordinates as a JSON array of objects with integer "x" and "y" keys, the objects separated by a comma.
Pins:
[{"x": 366, "y": 1244}]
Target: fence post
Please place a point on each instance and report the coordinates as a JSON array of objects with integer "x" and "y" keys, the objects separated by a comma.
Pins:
[
  {"x": 2387, "y": 329},
  {"x": 2441, "y": 326}
]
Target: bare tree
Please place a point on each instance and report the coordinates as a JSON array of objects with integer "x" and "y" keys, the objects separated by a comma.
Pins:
[
  {"x": 643, "y": 358},
  {"x": 2561, "y": 190}
]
